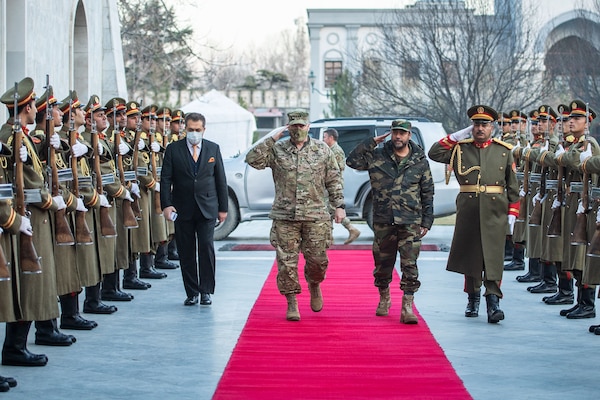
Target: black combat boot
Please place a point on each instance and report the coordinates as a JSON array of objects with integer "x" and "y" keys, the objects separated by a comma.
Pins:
[
  {"x": 495, "y": 314},
  {"x": 161, "y": 260},
  {"x": 47, "y": 334},
  {"x": 92, "y": 303},
  {"x": 130, "y": 279},
  {"x": 535, "y": 272},
  {"x": 473, "y": 305},
  {"x": 147, "y": 270},
  {"x": 565, "y": 294},
  {"x": 548, "y": 285},
  {"x": 70, "y": 317},
  {"x": 15, "y": 352},
  {"x": 586, "y": 308},
  {"x": 172, "y": 249},
  {"x": 110, "y": 289},
  {"x": 518, "y": 259},
  {"x": 508, "y": 248}
]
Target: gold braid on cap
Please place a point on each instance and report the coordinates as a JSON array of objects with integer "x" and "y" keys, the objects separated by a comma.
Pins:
[{"x": 459, "y": 166}]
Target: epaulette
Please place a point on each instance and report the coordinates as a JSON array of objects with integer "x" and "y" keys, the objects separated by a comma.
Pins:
[
  {"x": 469, "y": 140},
  {"x": 502, "y": 143}
]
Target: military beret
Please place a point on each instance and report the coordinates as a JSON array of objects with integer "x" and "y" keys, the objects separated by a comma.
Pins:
[
  {"x": 401, "y": 124},
  {"x": 94, "y": 105},
  {"x": 70, "y": 99},
  {"x": 149, "y": 111},
  {"x": 297, "y": 117},
  {"x": 116, "y": 103},
  {"x": 177, "y": 115},
  {"x": 25, "y": 93},
  {"x": 46, "y": 98},
  {"x": 547, "y": 112},
  {"x": 133, "y": 108},
  {"x": 581, "y": 109},
  {"x": 482, "y": 113}
]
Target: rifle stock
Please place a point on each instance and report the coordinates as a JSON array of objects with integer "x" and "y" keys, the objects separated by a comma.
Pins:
[
  {"x": 555, "y": 226},
  {"x": 151, "y": 139},
  {"x": 129, "y": 219},
  {"x": 523, "y": 199},
  {"x": 579, "y": 234},
  {"x": 107, "y": 227}
]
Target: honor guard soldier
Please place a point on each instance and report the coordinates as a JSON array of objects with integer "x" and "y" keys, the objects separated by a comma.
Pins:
[{"x": 488, "y": 200}]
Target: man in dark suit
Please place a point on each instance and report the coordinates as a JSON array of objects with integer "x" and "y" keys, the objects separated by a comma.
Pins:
[{"x": 194, "y": 194}]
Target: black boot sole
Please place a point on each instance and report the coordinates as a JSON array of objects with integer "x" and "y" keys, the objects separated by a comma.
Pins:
[{"x": 496, "y": 317}]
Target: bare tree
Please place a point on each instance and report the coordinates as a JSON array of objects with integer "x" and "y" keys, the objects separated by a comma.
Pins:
[{"x": 438, "y": 58}]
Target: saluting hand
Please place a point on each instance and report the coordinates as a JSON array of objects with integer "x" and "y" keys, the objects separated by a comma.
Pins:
[
  {"x": 381, "y": 138},
  {"x": 278, "y": 135}
]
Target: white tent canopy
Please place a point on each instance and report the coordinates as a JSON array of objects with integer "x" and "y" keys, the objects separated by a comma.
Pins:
[{"x": 227, "y": 124}]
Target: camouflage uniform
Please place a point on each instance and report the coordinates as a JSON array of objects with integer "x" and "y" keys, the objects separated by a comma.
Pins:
[
  {"x": 301, "y": 221},
  {"x": 402, "y": 203}
]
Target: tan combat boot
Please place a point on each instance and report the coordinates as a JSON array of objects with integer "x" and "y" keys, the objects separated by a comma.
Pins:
[
  {"x": 384, "y": 302},
  {"x": 316, "y": 298},
  {"x": 353, "y": 234},
  {"x": 407, "y": 316},
  {"x": 292, "y": 313}
]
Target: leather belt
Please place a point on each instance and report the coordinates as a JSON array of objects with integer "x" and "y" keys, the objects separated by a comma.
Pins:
[{"x": 494, "y": 189}]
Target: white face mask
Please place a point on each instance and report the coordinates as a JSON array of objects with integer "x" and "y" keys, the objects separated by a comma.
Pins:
[{"x": 194, "y": 137}]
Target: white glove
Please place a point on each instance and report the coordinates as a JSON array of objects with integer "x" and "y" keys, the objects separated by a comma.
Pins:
[
  {"x": 580, "y": 208},
  {"x": 555, "y": 204},
  {"x": 511, "y": 222},
  {"x": 462, "y": 134},
  {"x": 141, "y": 145},
  {"x": 79, "y": 149},
  {"x": 157, "y": 187},
  {"x": 23, "y": 153},
  {"x": 100, "y": 149},
  {"x": 598, "y": 218},
  {"x": 545, "y": 146},
  {"x": 80, "y": 206},
  {"x": 123, "y": 149},
  {"x": 60, "y": 202},
  {"x": 536, "y": 199},
  {"x": 26, "y": 226},
  {"x": 522, "y": 193},
  {"x": 55, "y": 141},
  {"x": 155, "y": 147},
  {"x": 559, "y": 150},
  {"x": 128, "y": 196},
  {"x": 104, "y": 201},
  {"x": 587, "y": 153},
  {"x": 135, "y": 189}
]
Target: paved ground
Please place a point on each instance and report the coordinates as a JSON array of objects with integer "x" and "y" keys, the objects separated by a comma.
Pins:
[{"x": 155, "y": 348}]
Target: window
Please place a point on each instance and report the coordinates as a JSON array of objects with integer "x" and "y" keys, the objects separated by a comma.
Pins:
[
  {"x": 333, "y": 69},
  {"x": 350, "y": 137}
]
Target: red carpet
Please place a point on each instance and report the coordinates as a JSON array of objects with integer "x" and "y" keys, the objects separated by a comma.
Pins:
[
  {"x": 342, "y": 352},
  {"x": 268, "y": 247}
]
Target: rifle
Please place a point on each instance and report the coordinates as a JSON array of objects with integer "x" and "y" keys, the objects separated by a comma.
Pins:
[
  {"x": 28, "y": 258},
  {"x": 523, "y": 200},
  {"x": 579, "y": 234},
  {"x": 107, "y": 227},
  {"x": 62, "y": 230},
  {"x": 134, "y": 162},
  {"x": 555, "y": 226},
  {"x": 83, "y": 235},
  {"x": 535, "y": 219},
  {"x": 151, "y": 138},
  {"x": 129, "y": 219}
]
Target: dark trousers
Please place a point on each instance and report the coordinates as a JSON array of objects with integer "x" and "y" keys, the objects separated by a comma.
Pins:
[{"x": 195, "y": 242}]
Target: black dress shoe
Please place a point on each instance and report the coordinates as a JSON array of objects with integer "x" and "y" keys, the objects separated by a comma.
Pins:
[
  {"x": 135, "y": 284},
  {"x": 12, "y": 382},
  {"x": 560, "y": 298},
  {"x": 151, "y": 273},
  {"x": 543, "y": 288},
  {"x": 98, "y": 308},
  {"x": 205, "y": 299},
  {"x": 115, "y": 295},
  {"x": 191, "y": 301},
  {"x": 76, "y": 322},
  {"x": 165, "y": 264},
  {"x": 54, "y": 339},
  {"x": 593, "y": 328},
  {"x": 23, "y": 358}
]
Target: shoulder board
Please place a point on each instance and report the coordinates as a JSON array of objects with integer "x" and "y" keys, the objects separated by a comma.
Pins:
[
  {"x": 500, "y": 142},
  {"x": 469, "y": 140}
]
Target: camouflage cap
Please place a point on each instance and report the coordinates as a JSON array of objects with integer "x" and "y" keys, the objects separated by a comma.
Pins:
[
  {"x": 25, "y": 93},
  {"x": 401, "y": 124},
  {"x": 482, "y": 113},
  {"x": 297, "y": 117}
]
